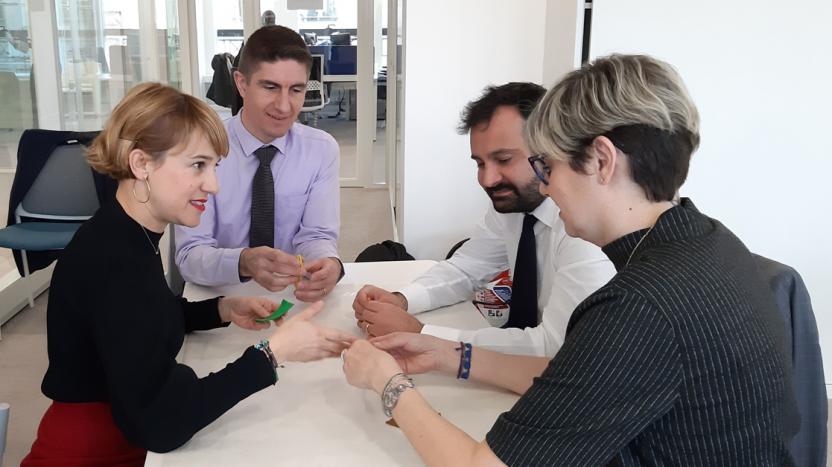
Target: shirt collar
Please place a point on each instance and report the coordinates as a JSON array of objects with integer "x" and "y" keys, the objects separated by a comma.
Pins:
[
  {"x": 546, "y": 212},
  {"x": 677, "y": 223},
  {"x": 249, "y": 143}
]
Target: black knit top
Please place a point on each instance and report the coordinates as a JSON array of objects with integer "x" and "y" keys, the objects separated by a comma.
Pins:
[
  {"x": 678, "y": 360},
  {"x": 114, "y": 329}
]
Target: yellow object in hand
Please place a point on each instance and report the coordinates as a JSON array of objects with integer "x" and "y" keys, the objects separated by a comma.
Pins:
[{"x": 300, "y": 263}]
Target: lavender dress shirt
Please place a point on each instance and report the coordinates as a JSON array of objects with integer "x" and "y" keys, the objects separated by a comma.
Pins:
[{"x": 306, "y": 200}]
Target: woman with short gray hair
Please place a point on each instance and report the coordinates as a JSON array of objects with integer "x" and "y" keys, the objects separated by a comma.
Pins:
[{"x": 678, "y": 360}]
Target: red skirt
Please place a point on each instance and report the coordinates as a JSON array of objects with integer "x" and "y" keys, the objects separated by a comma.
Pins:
[{"x": 81, "y": 434}]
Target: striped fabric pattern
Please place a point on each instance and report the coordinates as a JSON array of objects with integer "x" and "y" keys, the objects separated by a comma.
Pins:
[{"x": 678, "y": 360}]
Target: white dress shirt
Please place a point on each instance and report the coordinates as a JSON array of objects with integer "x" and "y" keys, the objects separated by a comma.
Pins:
[{"x": 569, "y": 270}]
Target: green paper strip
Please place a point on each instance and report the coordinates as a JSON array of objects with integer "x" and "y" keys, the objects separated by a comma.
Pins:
[{"x": 280, "y": 311}]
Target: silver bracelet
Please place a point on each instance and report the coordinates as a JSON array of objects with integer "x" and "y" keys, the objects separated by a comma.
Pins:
[
  {"x": 394, "y": 388},
  {"x": 264, "y": 347}
]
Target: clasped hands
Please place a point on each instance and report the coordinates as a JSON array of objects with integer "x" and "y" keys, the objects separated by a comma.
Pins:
[
  {"x": 379, "y": 312},
  {"x": 275, "y": 270},
  {"x": 369, "y": 364},
  {"x": 394, "y": 344}
]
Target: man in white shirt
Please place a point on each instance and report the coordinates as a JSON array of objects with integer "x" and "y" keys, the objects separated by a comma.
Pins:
[{"x": 563, "y": 270}]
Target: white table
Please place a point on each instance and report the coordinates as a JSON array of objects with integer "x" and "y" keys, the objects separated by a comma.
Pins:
[{"x": 312, "y": 417}]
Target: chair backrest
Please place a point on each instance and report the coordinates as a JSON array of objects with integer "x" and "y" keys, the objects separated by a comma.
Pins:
[
  {"x": 317, "y": 70},
  {"x": 64, "y": 188},
  {"x": 808, "y": 447},
  {"x": 315, "y": 92},
  {"x": 173, "y": 276}
]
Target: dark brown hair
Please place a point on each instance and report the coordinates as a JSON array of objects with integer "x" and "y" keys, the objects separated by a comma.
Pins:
[
  {"x": 270, "y": 44},
  {"x": 522, "y": 96}
]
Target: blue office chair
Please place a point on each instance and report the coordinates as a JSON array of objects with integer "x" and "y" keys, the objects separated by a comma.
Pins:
[{"x": 62, "y": 196}]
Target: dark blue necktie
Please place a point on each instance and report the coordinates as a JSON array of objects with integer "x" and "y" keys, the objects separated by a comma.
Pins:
[
  {"x": 261, "y": 232},
  {"x": 523, "y": 311}
]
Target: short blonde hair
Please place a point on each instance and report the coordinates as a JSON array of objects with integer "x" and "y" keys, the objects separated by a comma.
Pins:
[
  {"x": 154, "y": 118},
  {"x": 637, "y": 101}
]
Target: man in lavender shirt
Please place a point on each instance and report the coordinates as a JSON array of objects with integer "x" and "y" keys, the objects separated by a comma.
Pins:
[{"x": 272, "y": 76}]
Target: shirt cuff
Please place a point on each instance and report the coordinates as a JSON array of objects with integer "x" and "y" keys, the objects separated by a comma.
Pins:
[
  {"x": 341, "y": 265},
  {"x": 418, "y": 299},
  {"x": 230, "y": 266},
  {"x": 442, "y": 332},
  {"x": 317, "y": 249}
]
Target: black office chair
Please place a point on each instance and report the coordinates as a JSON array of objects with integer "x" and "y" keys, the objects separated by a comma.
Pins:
[
  {"x": 808, "y": 447},
  {"x": 61, "y": 197}
]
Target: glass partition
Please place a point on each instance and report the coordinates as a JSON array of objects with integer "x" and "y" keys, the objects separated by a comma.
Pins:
[
  {"x": 16, "y": 85},
  {"x": 219, "y": 26},
  {"x": 19, "y": 110},
  {"x": 105, "y": 47},
  {"x": 332, "y": 34}
]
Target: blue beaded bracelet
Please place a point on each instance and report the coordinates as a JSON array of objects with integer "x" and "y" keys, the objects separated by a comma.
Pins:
[{"x": 464, "y": 360}]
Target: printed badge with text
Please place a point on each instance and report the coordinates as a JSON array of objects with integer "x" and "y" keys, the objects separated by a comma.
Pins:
[{"x": 494, "y": 301}]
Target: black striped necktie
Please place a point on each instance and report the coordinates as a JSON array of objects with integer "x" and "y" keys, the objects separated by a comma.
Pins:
[
  {"x": 261, "y": 232},
  {"x": 523, "y": 311}
]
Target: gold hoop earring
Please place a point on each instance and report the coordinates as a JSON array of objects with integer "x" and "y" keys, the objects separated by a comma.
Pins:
[{"x": 147, "y": 182}]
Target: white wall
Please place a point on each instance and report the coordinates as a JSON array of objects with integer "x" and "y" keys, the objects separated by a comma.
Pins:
[
  {"x": 283, "y": 15},
  {"x": 454, "y": 49},
  {"x": 563, "y": 39},
  {"x": 759, "y": 72}
]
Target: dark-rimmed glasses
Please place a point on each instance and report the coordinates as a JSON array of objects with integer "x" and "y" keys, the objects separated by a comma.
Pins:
[{"x": 541, "y": 168}]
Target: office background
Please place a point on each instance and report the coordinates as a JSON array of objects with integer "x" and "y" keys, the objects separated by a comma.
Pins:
[{"x": 758, "y": 70}]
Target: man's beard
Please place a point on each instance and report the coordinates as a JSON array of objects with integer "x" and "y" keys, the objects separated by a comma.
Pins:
[{"x": 525, "y": 199}]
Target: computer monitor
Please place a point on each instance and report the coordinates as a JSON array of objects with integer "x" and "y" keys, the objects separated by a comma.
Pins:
[{"x": 339, "y": 38}]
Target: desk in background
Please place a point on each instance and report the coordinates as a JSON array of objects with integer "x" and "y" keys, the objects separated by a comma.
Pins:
[{"x": 313, "y": 416}]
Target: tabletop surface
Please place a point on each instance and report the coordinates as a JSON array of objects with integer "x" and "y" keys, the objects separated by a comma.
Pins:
[{"x": 312, "y": 416}]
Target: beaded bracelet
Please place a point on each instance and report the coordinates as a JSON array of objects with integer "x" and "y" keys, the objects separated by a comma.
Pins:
[
  {"x": 263, "y": 346},
  {"x": 464, "y": 360}
]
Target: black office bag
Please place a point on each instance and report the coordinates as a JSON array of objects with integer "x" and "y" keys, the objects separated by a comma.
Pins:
[{"x": 387, "y": 250}]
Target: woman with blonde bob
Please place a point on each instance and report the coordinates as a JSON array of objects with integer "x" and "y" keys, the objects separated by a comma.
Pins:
[
  {"x": 678, "y": 360},
  {"x": 115, "y": 328}
]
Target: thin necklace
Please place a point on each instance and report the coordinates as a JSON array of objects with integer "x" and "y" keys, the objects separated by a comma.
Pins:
[
  {"x": 638, "y": 245},
  {"x": 155, "y": 248}
]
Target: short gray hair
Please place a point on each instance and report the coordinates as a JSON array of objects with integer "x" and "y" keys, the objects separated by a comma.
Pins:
[{"x": 621, "y": 93}]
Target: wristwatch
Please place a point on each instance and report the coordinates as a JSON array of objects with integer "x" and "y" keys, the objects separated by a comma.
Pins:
[{"x": 394, "y": 388}]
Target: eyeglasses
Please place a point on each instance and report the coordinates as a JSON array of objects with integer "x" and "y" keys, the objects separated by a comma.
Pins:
[{"x": 541, "y": 169}]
